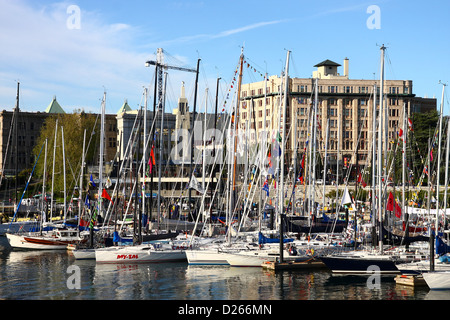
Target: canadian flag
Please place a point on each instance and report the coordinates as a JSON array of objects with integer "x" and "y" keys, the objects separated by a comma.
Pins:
[{"x": 410, "y": 125}]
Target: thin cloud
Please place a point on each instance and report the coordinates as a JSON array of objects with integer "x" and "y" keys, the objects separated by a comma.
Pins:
[
  {"x": 246, "y": 28},
  {"x": 222, "y": 34}
]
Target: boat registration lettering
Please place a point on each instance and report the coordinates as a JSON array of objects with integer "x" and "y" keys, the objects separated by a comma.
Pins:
[{"x": 127, "y": 256}]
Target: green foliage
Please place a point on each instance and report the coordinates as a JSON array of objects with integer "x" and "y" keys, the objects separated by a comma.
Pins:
[{"x": 73, "y": 126}]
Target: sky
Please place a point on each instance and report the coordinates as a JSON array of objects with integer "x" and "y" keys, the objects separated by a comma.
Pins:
[{"x": 77, "y": 50}]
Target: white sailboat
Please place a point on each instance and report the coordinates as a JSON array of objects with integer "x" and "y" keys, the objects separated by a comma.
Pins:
[
  {"x": 437, "y": 280},
  {"x": 55, "y": 239},
  {"x": 89, "y": 253}
]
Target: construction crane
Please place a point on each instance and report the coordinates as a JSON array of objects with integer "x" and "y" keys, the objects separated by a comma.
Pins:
[{"x": 160, "y": 67}]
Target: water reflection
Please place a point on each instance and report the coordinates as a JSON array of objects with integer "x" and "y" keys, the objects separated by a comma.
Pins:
[{"x": 43, "y": 275}]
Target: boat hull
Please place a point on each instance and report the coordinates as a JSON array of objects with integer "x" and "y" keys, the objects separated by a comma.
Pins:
[
  {"x": 131, "y": 254},
  {"x": 256, "y": 258},
  {"x": 84, "y": 254},
  {"x": 34, "y": 243},
  {"x": 206, "y": 257},
  {"x": 367, "y": 266},
  {"x": 437, "y": 280}
]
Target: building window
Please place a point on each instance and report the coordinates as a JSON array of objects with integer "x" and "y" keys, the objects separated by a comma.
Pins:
[
  {"x": 332, "y": 89},
  {"x": 393, "y": 90},
  {"x": 301, "y": 100},
  {"x": 393, "y": 102},
  {"x": 112, "y": 142}
]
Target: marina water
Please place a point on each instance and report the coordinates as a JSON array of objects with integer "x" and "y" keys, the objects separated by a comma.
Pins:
[{"x": 49, "y": 275}]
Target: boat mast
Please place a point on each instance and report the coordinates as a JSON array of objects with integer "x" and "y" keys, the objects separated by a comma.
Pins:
[
  {"x": 325, "y": 164},
  {"x": 80, "y": 191},
  {"x": 406, "y": 216},
  {"x": 446, "y": 168},
  {"x": 43, "y": 185},
  {"x": 283, "y": 148},
  {"x": 16, "y": 111},
  {"x": 263, "y": 139},
  {"x": 64, "y": 172},
  {"x": 100, "y": 165},
  {"x": 439, "y": 160},
  {"x": 161, "y": 142},
  {"x": 380, "y": 168},
  {"x": 374, "y": 155},
  {"x": 53, "y": 172},
  {"x": 145, "y": 151},
  {"x": 236, "y": 128},
  {"x": 314, "y": 147}
]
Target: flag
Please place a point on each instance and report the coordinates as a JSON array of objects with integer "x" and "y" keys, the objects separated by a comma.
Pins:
[
  {"x": 91, "y": 182},
  {"x": 265, "y": 187},
  {"x": 398, "y": 210},
  {"x": 194, "y": 184},
  {"x": 360, "y": 180},
  {"x": 431, "y": 155},
  {"x": 87, "y": 202},
  {"x": 425, "y": 170},
  {"x": 410, "y": 125},
  {"x": 400, "y": 135},
  {"x": 150, "y": 166},
  {"x": 152, "y": 156},
  {"x": 390, "y": 202},
  {"x": 108, "y": 183},
  {"x": 106, "y": 195}
]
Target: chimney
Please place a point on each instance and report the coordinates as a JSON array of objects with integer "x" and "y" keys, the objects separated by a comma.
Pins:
[{"x": 346, "y": 67}]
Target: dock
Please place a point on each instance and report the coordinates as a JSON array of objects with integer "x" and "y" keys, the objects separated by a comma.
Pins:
[
  {"x": 410, "y": 280},
  {"x": 311, "y": 264}
]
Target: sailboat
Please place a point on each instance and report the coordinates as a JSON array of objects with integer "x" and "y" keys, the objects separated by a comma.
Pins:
[
  {"x": 14, "y": 226},
  {"x": 358, "y": 262},
  {"x": 53, "y": 239},
  {"x": 171, "y": 250}
]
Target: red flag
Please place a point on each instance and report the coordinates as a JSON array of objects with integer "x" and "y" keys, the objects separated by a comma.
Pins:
[
  {"x": 390, "y": 202},
  {"x": 410, "y": 125},
  {"x": 106, "y": 195},
  {"x": 431, "y": 154},
  {"x": 398, "y": 210},
  {"x": 360, "y": 180},
  {"x": 152, "y": 155}
]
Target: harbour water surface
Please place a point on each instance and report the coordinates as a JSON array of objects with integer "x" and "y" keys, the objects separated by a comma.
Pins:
[{"x": 49, "y": 275}]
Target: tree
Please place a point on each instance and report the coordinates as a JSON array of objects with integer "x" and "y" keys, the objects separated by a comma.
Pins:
[{"x": 74, "y": 126}]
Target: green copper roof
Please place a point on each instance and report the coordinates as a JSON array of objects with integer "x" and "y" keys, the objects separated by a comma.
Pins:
[
  {"x": 54, "y": 107},
  {"x": 125, "y": 107}
]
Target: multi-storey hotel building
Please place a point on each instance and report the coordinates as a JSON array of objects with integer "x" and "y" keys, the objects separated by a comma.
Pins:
[{"x": 344, "y": 104}]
